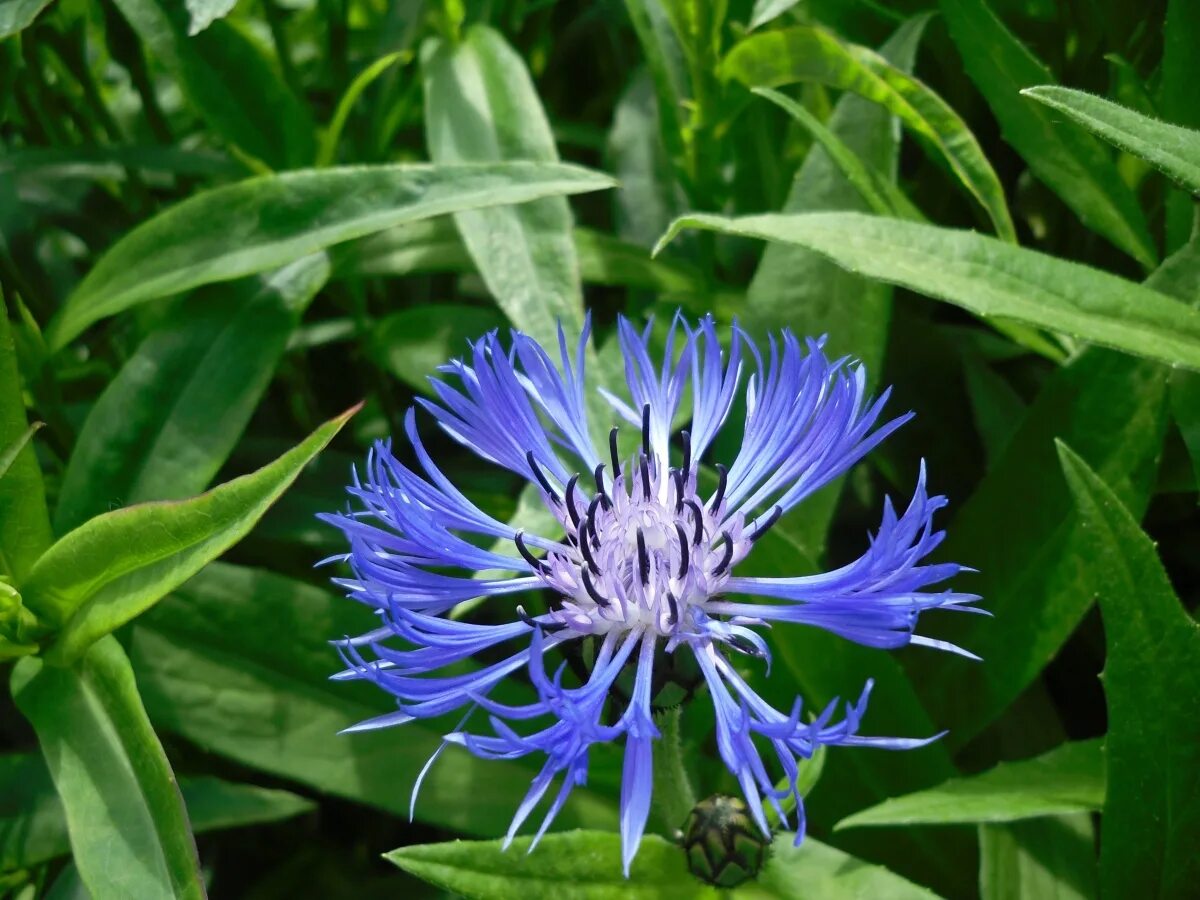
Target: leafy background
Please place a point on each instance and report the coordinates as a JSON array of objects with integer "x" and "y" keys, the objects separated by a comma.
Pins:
[{"x": 221, "y": 229}]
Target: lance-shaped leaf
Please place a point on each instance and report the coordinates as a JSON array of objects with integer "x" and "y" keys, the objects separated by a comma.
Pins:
[
  {"x": 129, "y": 831},
  {"x": 1048, "y": 857},
  {"x": 988, "y": 277},
  {"x": 1068, "y": 779},
  {"x": 1174, "y": 150},
  {"x": 8, "y": 455},
  {"x": 1151, "y": 824},
  {"x": 804, "y": 53},
  {"x": 1069, "y": 162},
  {"x": 114, "y": 566},
  {"x": 264, "y": 223}
]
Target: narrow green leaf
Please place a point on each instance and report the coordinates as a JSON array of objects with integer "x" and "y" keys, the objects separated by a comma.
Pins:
[
  {"x": 33, "y": 824},
  {"x": 588, "y": 861},
  {"x": 264, "y": 223},
  {"x": 412, "y": 343},
  {"x": 8, "y": 455},
  {"x": 817, "y": 870},
  {"x": 1181, "y": 37},
  {"x": 1051, "y": 859},
  {"x": 767, "y": 10},
  {"x": 24, "y": 521},
  {"x": 803, "y": 53},
  {"x": 253, "y": 109},
  {"x": 1151, "y": 824},
  {"x": 1173, "y": 150},
  {"x": 1072, "y": 164},
  {"x": 129, "y": 831},
  {"x": 1068, "y": 779},
  {"x": 115, "y": 566},
  {"x": 169, "y": 420},
  {"x": 668, "y": 74},
  {"x": 998, "y": 409},
  {"x": 17, "y": 15},
  {"x": 481, "y": 107},
  {"x": 207, "y": 674},
  {"x": 988, "y": 277},
  {"x": 327, "y": 151}
]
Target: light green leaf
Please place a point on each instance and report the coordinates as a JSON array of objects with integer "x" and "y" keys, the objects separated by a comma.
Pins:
[
  {"x": 588, "y": 861},
  {"x": 481, "y": 107},
  {"x": 129, "y": 831},
  {"x": 24, "y": 522},
  {"x": 113, "y": 567},
  {"x": 1173, "y": 150},
  {"x": 412, "y": 343},
  {"x": 17, "y": 15},
  {"x": 33, "y": 825},
  {"x": 168, "y": 421},
  {"x": 208, "y": 675},
  {"x": 988, "y": 277},
  {"x": 804, "y": 53},
  {"x": 1051, "y": 859},
  {"x": 203, "y": 13},
  {"x": 253, "y": 109},
  {"x": 766, "y": 10},
  {"x": 1072, "y": 164},
  {"x": 264, "y": 223},
  {"x": 8, "y": 455},
  {"x": 1068, "y": 779},
  {"x": 1151, "y": 824},
  {"x": 817, "y": 870}
]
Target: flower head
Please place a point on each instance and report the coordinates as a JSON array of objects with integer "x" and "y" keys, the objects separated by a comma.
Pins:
[{"x": 643, "y": 565}]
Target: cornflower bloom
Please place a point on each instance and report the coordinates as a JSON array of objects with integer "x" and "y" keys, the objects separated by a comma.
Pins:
[{"x": 644, "y": 567}]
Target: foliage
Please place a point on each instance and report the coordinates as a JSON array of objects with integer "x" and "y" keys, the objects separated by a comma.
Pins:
[{"x": 224, "y": 224}]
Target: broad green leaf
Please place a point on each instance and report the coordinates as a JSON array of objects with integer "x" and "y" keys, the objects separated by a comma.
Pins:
[
  {"x": 412, "y": 343},
  {"x": 113, "y": 567},
  {"x": 589, "y": 862},
  {"x": 264, "y": 223},
  {"x": 9, "y": 454},
  {"x": 16, "y": 15},
  {"x": 804, "y": 53},
  {"x": 481, "y": 107},
  {"x": 1068, "y": 779},
  {"x": 1173, "y": 150},
  {"x": 817, "y": 870},
  {"x": 1112, "y": 409},
  {"x": 988, "y": 277},
  {"x": 202, "y": 13},
  {"x": 208, "y": 674},
  {"x": 24, "y": 522},
  {"x": 1051, "y": 859},
  {"x": 129, "y": 831},
  {"x": 1072, "y": 164},
  {"x": 1181, "y": 36},
  {"x": 168, "y": 421},
  {"x": 1151, "y": 824},
  {"x": 33, "y": 825},
  {"x": 230, "y": 81}
]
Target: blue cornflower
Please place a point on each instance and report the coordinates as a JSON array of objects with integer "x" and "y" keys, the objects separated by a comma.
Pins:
[{"x": 645, "y": 566}]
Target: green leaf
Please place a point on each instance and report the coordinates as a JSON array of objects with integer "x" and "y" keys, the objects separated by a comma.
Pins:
[
  {"x": 8, "y": 455},
  {"x": 1052, "y": 858},
  {"x": 588, "y": 861},
  {"x": 1173, "y": 150},
  {"x": 998, "y": 409},
  {"x": 264, "y": 223},
  {"x": 24, "y": 522},
  {"x": 117, "y": 565},
  {"x": 1151, "y": 824},
  {"x": 412, "y": 343},
  {"x": 768, "y": 10},
  {"x": 327, "y": 151},
  {"x": 481, "y": 107},
  {"x": 169, "y": 420},
  {"x": 1111, "y": 409},
  {"x": 230, "y": 81},
  {"x": 17, "y": 15},
  {"x": 202, "y": 13},
  {"x": 1185, "y": 407},
  {"x": 804, "y": 53},
  {"x": 1181, "y": 36},
  {"x": 208, "y": 674},
  {"x": 33, "y": 824},
  {"x": 986, "y": 276},
  {"x": 129, "y": 831},
  {"x": 817, "y": 870},
  {"x": 1072, "y": 164},
  {"x": 1068, "y": 779}
]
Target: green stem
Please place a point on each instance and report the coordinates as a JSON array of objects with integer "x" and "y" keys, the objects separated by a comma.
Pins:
[{"x": 673, "y": 793}]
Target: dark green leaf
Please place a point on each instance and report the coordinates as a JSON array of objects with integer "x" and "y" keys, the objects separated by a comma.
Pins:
[
  {"x": 997, "y": 407},
  {"x": 263, "y": 223},
  {"x": 1174, "y": 150},
  {"x": 1070, "y": 163},
  {"x": 129, "y": 831},
  {"x": 166, "y": 424},
  {"x": 1052, "y": 858},
  {"x": 988, "y": 277},
  {"x": 1185, "y": 406},
  {"x": 412, "y": 343},
  {"x": 1068, "y": 779},
  {"x": 115, "y": 566},
  {"x": 816, "y": 870},
  {"x": 1151, "y": 824},
  {"x": 803, "y": 53},
  {"x": 1181, "y": 37}
]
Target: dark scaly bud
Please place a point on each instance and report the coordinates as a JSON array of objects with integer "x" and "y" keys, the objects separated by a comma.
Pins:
[{"x": 723, "y": 845}]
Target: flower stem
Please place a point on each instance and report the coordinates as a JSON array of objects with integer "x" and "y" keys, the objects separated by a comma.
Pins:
[{"x": 673, "y": 793}]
